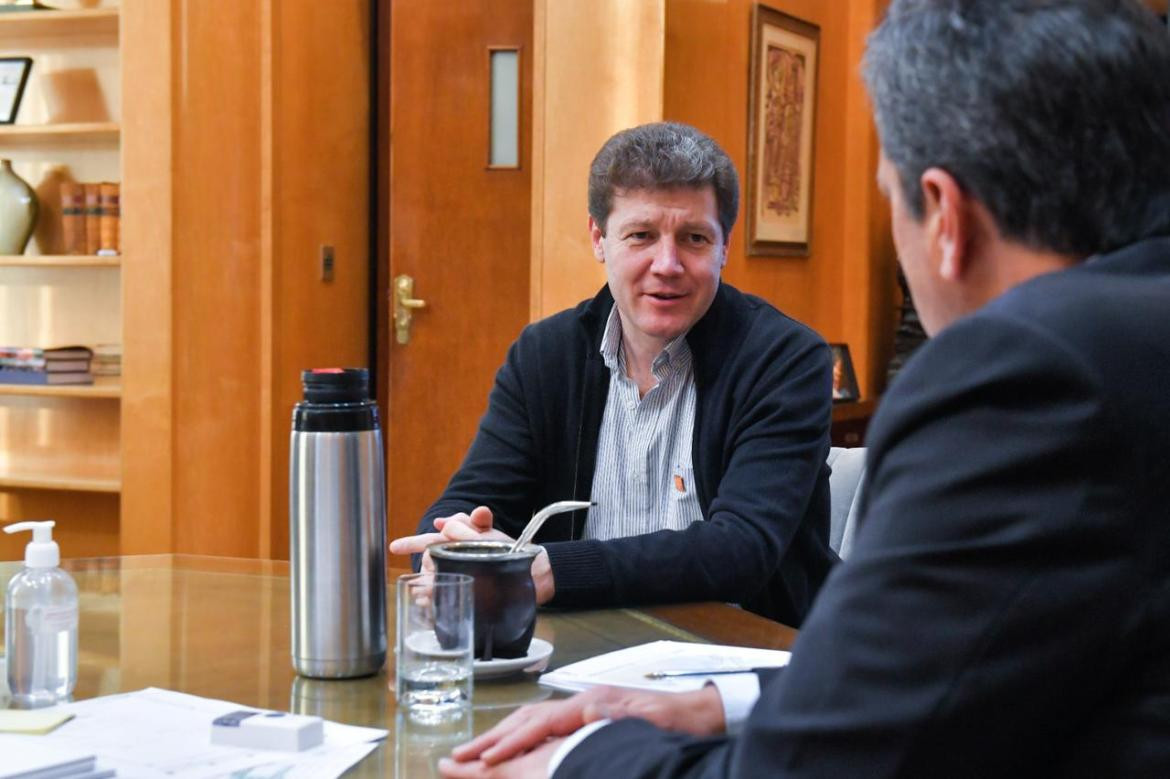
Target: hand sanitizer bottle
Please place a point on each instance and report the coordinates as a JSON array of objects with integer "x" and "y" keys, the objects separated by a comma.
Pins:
[{"x": 40, "y": 623}]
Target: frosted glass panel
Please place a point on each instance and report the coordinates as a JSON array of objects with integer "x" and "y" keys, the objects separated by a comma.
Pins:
[{"x": 505, "y": 124}]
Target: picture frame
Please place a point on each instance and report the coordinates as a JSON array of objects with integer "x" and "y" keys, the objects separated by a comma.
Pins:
[
  {"x": 844, "y": 379},
  {"x": 13, "y": 78},
  {"x": 782, "y": 101}
]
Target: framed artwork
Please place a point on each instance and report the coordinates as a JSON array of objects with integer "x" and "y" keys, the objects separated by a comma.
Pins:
[
  {"x": 13, "y": 77},
  {"x": 844, "y": 379},
  {"x": 785, "y": 52}
]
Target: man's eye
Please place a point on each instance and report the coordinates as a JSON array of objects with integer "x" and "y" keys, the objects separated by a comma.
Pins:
[
  {"x": 698, "y": 238},
  {"x": 640, "y": 235}
]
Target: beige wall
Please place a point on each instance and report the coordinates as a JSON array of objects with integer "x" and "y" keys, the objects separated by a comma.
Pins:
[{"x": 598, "y": 69}]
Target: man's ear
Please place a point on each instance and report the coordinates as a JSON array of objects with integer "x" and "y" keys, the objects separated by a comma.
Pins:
[
  {"x": 948, "y": 221},
  {"x": 597, "y": 238}
]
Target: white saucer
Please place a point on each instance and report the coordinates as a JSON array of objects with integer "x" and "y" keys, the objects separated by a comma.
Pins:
[{"x": 539, "y": 651}]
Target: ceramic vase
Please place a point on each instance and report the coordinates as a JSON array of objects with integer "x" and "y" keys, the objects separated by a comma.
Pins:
[{"x": 18, "y": 210}]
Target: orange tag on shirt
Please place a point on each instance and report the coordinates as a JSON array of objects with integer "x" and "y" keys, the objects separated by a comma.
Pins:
[{"x": 679, "y": 484}]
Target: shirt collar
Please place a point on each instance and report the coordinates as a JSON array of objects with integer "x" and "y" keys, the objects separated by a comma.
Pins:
[{"x": 674, "y": 357}]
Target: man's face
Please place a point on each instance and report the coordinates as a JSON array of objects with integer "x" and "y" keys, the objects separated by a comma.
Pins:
[
  {"x": 663, "y": 250},
  {"x": 912, "y": 240}
]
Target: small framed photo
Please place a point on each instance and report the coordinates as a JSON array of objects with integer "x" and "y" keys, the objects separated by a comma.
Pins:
[
  {"x": 781, "y": 123},
  {"x": 13, "y": 76},
  {"x": 844, "y": 379}
]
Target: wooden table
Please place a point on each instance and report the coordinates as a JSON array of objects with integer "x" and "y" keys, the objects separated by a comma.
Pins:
[{"x": 219, "y": 628}]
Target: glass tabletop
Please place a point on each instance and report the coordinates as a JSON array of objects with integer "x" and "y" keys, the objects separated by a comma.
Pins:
[{"x": 219, "y": 628}]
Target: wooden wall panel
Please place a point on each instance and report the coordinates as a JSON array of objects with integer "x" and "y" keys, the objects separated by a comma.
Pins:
[
  {"x": 147, "y": 232},
  {"x": 260, "y": 111},
  {"x": 835, "y": 290},
  {"x": 215, "y": 261},
  {"x": 87, "y": 522},
  {"x": 320, "y": 186},
  {"x": 598, "y": 69}
]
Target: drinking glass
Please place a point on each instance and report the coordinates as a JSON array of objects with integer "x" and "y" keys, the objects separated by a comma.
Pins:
[{"x": 433, "y": 672}]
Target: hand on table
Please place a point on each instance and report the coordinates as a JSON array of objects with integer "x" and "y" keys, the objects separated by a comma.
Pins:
[
  {"x": 532, "y": 764},
  {"x": 476, "y": 526},
  {"x": 699, "y": 713}
]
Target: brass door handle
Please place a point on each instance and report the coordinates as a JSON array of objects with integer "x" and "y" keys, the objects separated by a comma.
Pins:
[{"x": 404, "y": 303}]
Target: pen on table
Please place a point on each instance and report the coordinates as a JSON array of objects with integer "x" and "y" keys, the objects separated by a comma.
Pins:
[{"x": 697, "y": 672}]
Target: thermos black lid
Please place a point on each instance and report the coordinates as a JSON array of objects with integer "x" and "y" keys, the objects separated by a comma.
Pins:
[
  {"x": 337, "y": 400},
  {"x": 336, "y": 385}
]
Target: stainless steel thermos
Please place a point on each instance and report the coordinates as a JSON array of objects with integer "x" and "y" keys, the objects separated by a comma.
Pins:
[{"x": 337, "y": 511}]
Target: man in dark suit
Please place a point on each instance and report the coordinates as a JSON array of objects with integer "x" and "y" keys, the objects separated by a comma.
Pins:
[{"x": 1006, "y": 609}]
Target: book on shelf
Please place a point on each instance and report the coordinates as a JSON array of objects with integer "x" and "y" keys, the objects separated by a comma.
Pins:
[
  {"x": 109, "y": 217},
  {"x": 56, "y": 365},
  {"x": 34, "y": 377},
  {"x": 107, "y": 360},
  {"x": 41, "y": 364},
  {"x": 49, "y": 353},
  {"x": 93, "y": 212},
  {"x": 91, "y": 218},
  {"x": 72, "y": 217}
]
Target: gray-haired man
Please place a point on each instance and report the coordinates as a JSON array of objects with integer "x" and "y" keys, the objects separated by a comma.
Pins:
[{"x": 1006, "y": 607}]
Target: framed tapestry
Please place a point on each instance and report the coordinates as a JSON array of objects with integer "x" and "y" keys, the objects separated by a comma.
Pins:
[{"x": 781, "y": 124}]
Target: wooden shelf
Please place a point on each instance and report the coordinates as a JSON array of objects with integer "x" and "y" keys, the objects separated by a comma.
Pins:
[
  {"x": 102, "y": 387},
  {"x": 48, "y": 22},
  {"x": 60, "y": 260},
  {"x": 32, "y": 481},
  {"x": 25, "y": 133}
]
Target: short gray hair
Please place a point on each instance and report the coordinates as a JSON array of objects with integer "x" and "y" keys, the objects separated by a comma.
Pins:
[
  {"x": 1054, "y": 114},
  {"x": 663, "y": 155}
]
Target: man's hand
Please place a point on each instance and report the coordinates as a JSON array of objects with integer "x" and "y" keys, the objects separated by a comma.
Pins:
[
  {"x": 476, "y": 526},
  {"x": 699, "y": 713},
  {"x": 534, "y": 764}
]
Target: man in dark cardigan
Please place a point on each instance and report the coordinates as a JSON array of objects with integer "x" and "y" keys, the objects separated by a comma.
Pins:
[{"x": 695, "y": 417}]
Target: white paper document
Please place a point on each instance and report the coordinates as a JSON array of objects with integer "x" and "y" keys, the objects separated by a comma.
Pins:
[
  {"x": 26, "y": 756},
  {"x": 628, "y": 667},
  {"x": 155, "y": 733}
]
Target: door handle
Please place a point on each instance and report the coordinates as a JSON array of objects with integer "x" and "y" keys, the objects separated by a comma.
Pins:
[{"x": 404, "y": 305}]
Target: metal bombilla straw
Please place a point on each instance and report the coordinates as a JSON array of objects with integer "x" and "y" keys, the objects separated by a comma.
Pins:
[{"x": 539, "y": 518}]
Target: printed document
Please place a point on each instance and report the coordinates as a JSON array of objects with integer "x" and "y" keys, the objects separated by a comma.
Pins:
[
  {"x": 629, "y": 667},
  {"x": 153, "y": 733}
]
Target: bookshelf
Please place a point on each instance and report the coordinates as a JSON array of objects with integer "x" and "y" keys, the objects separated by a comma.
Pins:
[
  {"x": 12, "y": 134},
  {"x": 106, "y": 387},
  {"x": 59, "y": 261},
  {"x": 57, "y": 24},
  {"x": 60, "y": 446}
]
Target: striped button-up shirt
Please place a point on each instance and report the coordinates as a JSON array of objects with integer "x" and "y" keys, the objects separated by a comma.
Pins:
[{"x": 643, "y": 480}]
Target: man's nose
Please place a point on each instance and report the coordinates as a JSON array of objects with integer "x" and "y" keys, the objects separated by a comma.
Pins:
[{"x": 666, "y": 258}]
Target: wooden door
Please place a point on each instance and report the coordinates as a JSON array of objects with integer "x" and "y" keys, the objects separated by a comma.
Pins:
[{"x": 458, "y": 227}]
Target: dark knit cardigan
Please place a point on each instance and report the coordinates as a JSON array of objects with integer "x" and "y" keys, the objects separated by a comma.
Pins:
[{"x": 761, "y": 436}]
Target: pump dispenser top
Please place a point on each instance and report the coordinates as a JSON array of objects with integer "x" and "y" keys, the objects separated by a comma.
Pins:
[{"x": 42, "y": 551}]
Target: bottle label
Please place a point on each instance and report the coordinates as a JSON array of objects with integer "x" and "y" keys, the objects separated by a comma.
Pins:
[{"x": 56, "y": 618}]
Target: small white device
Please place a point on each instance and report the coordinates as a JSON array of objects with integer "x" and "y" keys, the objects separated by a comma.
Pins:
[{"x": 268, "y": 730}]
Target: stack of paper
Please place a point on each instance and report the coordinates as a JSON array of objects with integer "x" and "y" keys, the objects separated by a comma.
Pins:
[
  {"x": 630, "y": 667},
  {"x": 31, "y": 757},
  {"x": 160, "y": 734}
]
